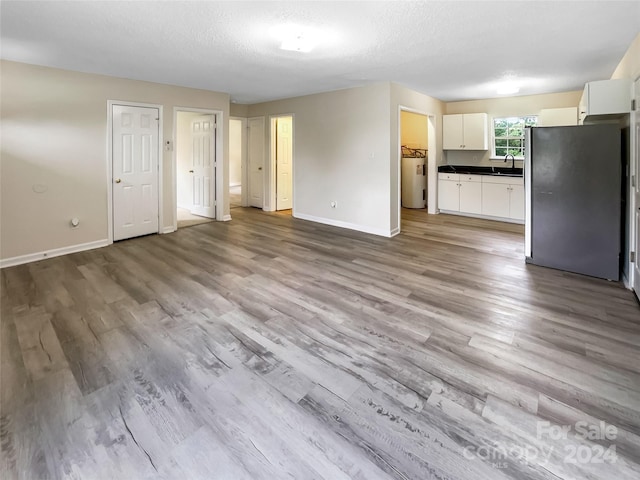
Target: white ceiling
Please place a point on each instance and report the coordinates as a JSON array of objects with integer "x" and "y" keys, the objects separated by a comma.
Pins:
[{"x": 451, "y": 50}]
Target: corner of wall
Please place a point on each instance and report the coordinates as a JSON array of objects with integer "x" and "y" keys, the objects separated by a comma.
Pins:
[{"x": 629, "y": 66}]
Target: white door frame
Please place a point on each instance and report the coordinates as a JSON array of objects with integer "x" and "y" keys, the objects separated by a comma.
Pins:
[
  {"x": 244, "y": 164},
  {"x": 110, "y": 104},
  {"x": 270, "y": 194},
  {"x": 432, "y": 161},
  {"x": 634, "y": 177},
  {"x": 220, "y": 188}
]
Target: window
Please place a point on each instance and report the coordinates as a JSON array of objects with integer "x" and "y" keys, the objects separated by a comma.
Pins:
[{"x": 508, "y": 135}]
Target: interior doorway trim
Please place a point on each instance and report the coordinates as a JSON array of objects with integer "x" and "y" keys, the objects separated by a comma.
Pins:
[
  {"x": 270, "y": 194},
  {"x": 110, "y": 104},
  {"x": 432, "y": 162},
  {"x": 244, "y": 160},
  {"x": 633, "y": 208},
  {"x": 219, "y": 168}
]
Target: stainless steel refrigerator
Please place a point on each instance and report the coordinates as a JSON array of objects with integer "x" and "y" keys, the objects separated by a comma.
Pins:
[{"x": 573, "y": 198}]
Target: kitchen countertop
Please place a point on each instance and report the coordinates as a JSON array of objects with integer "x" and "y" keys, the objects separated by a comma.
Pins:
[{"x": 477, "y": 170}]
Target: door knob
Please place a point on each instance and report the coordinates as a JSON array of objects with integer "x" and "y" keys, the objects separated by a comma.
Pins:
[
  {"x": 190, "y": 171},
  {"x": 118, "y": 180}
]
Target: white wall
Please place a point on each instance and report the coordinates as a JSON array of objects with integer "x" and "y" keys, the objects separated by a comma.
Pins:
[
  {"x": 235, "y": 152},
  {"x": 413, "y": 130},
  {"x": 341, "y": 153},
  {"x": 402, "y": 97},
  {"x": 239, "y": 110},
  {"x": 503, "y": 107},
  {"x": 629, "y": 66},
  {"x": 54, "y": 133}
]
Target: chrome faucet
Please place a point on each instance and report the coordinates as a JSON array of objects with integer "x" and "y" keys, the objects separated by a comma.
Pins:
[{"x": 513, "y": 160}]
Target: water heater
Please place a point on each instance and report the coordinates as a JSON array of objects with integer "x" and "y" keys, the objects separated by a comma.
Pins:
[{"x": 414, "y": 182}]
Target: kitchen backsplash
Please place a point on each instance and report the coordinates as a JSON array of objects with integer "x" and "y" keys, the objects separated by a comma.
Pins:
[{"x": 455, "y": 157}]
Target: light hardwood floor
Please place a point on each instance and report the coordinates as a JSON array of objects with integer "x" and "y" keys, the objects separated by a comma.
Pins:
[
  {"x": 269, "y": 347},
  {"x": 235, "y": 196},
  {"x": 187, "y": 219}
]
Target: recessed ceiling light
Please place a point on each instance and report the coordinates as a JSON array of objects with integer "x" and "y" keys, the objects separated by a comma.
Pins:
[{"x": 296, "y": 38}]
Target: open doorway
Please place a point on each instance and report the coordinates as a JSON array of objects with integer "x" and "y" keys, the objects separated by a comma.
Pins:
[
  {"x": 282, "y": 162},
  {"x": 414, "y": 141},
  {"x": 417, "y": 133},
  {"x": 196, "y": 146},
  {"x": 237, "y": 153}
]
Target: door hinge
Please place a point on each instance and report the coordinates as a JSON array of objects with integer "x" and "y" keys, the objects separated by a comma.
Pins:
[
  {"x": 633, "y": 180},
  {"x": 633, "y": 105},
  {"x": 632, "y": 257}
]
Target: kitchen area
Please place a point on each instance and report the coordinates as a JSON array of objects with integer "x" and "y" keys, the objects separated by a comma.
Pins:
[{"x": 557, "y": 165}]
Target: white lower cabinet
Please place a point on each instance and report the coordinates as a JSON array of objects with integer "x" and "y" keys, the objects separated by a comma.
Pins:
[
  {"x": 470, "y": 194},
  {"x": 482, "y": 195},
  {"x": 516, "y": 202},
  {"x": 449, "y": 192},
  {"x": 503, "y": 197},
  {"x": 495, "y": 199},
  {"x": 459, "y": 193}
]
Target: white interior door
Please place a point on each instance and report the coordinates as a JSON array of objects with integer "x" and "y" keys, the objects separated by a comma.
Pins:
[
  {"x": 284, "y": 168},
  {"x": 203, "y": 165},
  {"x": 635, "y": 156},
  {"x": 134, "y": 171},
  {"x": 256, "y": 162}
]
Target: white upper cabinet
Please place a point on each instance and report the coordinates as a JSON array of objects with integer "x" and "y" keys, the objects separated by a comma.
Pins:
[
  {"x": 466, "y": 131},
  {"x": 452, "y": 132},
  {"x": 605, "y": 97}
]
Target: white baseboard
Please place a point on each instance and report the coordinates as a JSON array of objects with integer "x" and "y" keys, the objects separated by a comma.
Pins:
[
  {"x": 338, "y": 223},
  {"x": 626, "y": 282},
  {"x": 34, "y": 257},
  {"x": 395, "y": 232},
  {"x": 485, "y": 217},
  {"x": 169, "y": 229},
  {"x": 226, "y": 218}
]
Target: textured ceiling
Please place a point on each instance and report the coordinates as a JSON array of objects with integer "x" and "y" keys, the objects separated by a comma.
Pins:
[{"x": 453, "y": 50}]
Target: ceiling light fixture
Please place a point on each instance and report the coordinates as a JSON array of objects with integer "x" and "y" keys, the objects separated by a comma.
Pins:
[
  {"x": 507, "y": 88},
  {"x": 296, "y": 38}
]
